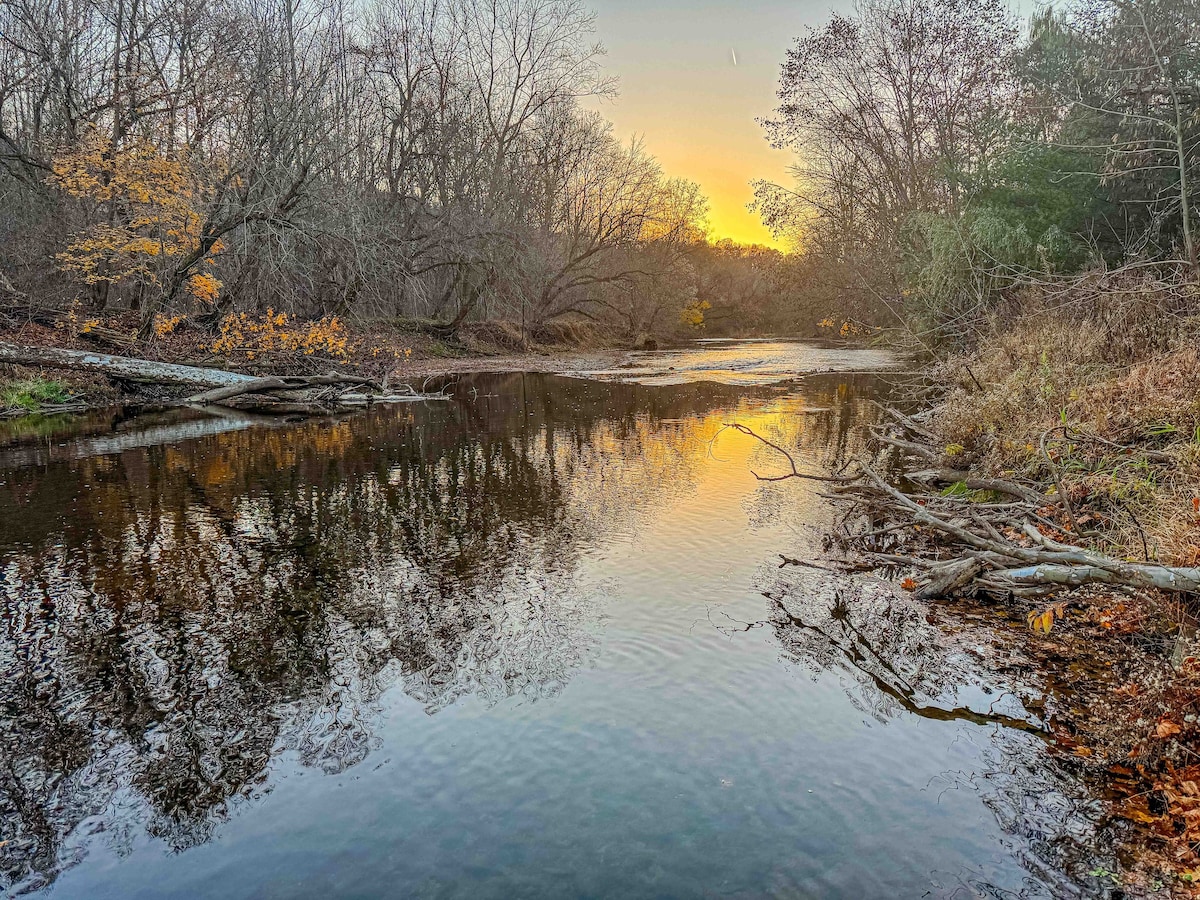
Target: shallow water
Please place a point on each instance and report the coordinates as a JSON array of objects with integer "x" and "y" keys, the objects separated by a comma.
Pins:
[
  {"x": 749, "y": 362},
  {"x": 534, "y": 641}
]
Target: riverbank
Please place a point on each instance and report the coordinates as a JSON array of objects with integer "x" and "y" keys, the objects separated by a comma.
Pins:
[
  {"x": 1065, "y": 440},
  {"x": 276, "y": 345}
]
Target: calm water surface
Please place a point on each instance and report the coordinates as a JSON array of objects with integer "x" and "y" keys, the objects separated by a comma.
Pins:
[{"x": 534, "y": 641}]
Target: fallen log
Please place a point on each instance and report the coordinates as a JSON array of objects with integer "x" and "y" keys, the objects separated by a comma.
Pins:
[
  {"x": 980, "y": 483},
  {"x": 118, "y": 366},
  {"x": 280, "y": 383},
  {"x": 1164, "y": 578},
  {"x": 277, "y": 394},
  {"x": 945, "y": 579}
]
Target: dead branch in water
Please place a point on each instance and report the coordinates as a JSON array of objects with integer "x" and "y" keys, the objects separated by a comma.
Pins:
[
  {"x": 964, "y": 546},
  {"x": 795, "y": 473}
]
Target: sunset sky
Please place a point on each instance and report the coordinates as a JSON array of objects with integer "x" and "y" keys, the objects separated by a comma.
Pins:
[{"x": 695, "y": 109}]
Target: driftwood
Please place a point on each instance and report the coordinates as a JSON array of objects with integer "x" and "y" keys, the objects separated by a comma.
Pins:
[
  {"x": 277, "y": 395},
  {"x": 289, "y": 383},
  {"x": 125, "y": 367},
  {"x": 963, "y": 544},
  {"x": 978, "y": 483}
]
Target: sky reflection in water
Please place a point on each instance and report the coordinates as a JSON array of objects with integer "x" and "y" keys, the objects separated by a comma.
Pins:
[{"x": 531, "y": 642}]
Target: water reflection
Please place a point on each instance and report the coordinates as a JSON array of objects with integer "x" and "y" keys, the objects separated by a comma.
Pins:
[
  {"x": 897, "y": 663},
  {"x": 208, "y": 593},
  {"x": 199, "y": 610}
]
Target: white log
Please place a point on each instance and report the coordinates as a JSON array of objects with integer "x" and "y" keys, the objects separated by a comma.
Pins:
[{"x": 118, "y": 366}]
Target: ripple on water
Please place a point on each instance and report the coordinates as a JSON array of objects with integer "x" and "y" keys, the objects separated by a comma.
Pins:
[{"x": 530, "y": 642}]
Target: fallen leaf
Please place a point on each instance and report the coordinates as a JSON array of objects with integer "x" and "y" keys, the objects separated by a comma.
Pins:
[
  {"x": 1042, "y": 622},
  {"x": 909, "y": 584},
  {"x": 1166, "y": 728},
  {"x": 1137, "y": 815}
]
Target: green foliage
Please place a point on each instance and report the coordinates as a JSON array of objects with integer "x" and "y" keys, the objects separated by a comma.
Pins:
[
  {"x": 1029, "y": 216},
  {"x": 1040, "y": 203},
  {"x": 31, "y": 394}
]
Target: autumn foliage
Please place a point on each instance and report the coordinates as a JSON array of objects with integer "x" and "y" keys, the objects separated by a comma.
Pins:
[
  {"x": 276, "y": 332},
  {"x": 141, "y": 208}
]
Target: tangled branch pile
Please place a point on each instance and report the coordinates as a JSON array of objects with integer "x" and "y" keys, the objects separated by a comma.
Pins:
[{"x": 980, "y": 535}]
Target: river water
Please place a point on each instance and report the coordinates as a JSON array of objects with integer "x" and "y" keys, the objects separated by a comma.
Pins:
[{"x": 531, "y": 641}]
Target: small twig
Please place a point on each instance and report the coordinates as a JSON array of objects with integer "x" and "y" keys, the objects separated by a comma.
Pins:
[
  {"x": 803, "y": 563},
  {"x": 1058, "y": 483},
  {"x": 795, "y": 473}
]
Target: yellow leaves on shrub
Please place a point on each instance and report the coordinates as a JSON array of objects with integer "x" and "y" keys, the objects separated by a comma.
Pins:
[
  {"x": 204, "y": 287},
  {"x": 164, "y": 325},
  {"x": 1042, "y": 622},
  {"x": 142, "y": 206},
  {"x": 396, "y": 353},
  {"x": 275, "y": 332}
]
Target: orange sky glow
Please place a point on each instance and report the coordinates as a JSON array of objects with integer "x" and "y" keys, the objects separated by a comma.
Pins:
[{"x": 683, "y": 94}]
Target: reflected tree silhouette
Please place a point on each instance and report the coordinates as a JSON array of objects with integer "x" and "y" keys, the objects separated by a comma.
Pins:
[
  {"x": 176, "y": 614},
  {"x": 898, "y": 663}
]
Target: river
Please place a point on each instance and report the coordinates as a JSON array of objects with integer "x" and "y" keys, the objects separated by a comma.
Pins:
[{"x": 533, "y": 641}]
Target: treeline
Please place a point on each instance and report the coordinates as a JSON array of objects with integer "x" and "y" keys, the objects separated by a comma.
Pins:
[
  {"x": 948, "y": 155},
  {"x": 396, "y": 159}
]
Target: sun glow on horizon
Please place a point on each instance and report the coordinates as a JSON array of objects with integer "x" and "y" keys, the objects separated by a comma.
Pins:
[{"x": 695, "y": 108}]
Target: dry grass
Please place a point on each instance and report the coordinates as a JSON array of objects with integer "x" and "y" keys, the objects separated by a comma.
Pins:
[{"x": 1071, "y": 395}]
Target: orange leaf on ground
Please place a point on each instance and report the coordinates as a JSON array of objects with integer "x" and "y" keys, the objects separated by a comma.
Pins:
[{"x": 1166, "y": 728}]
